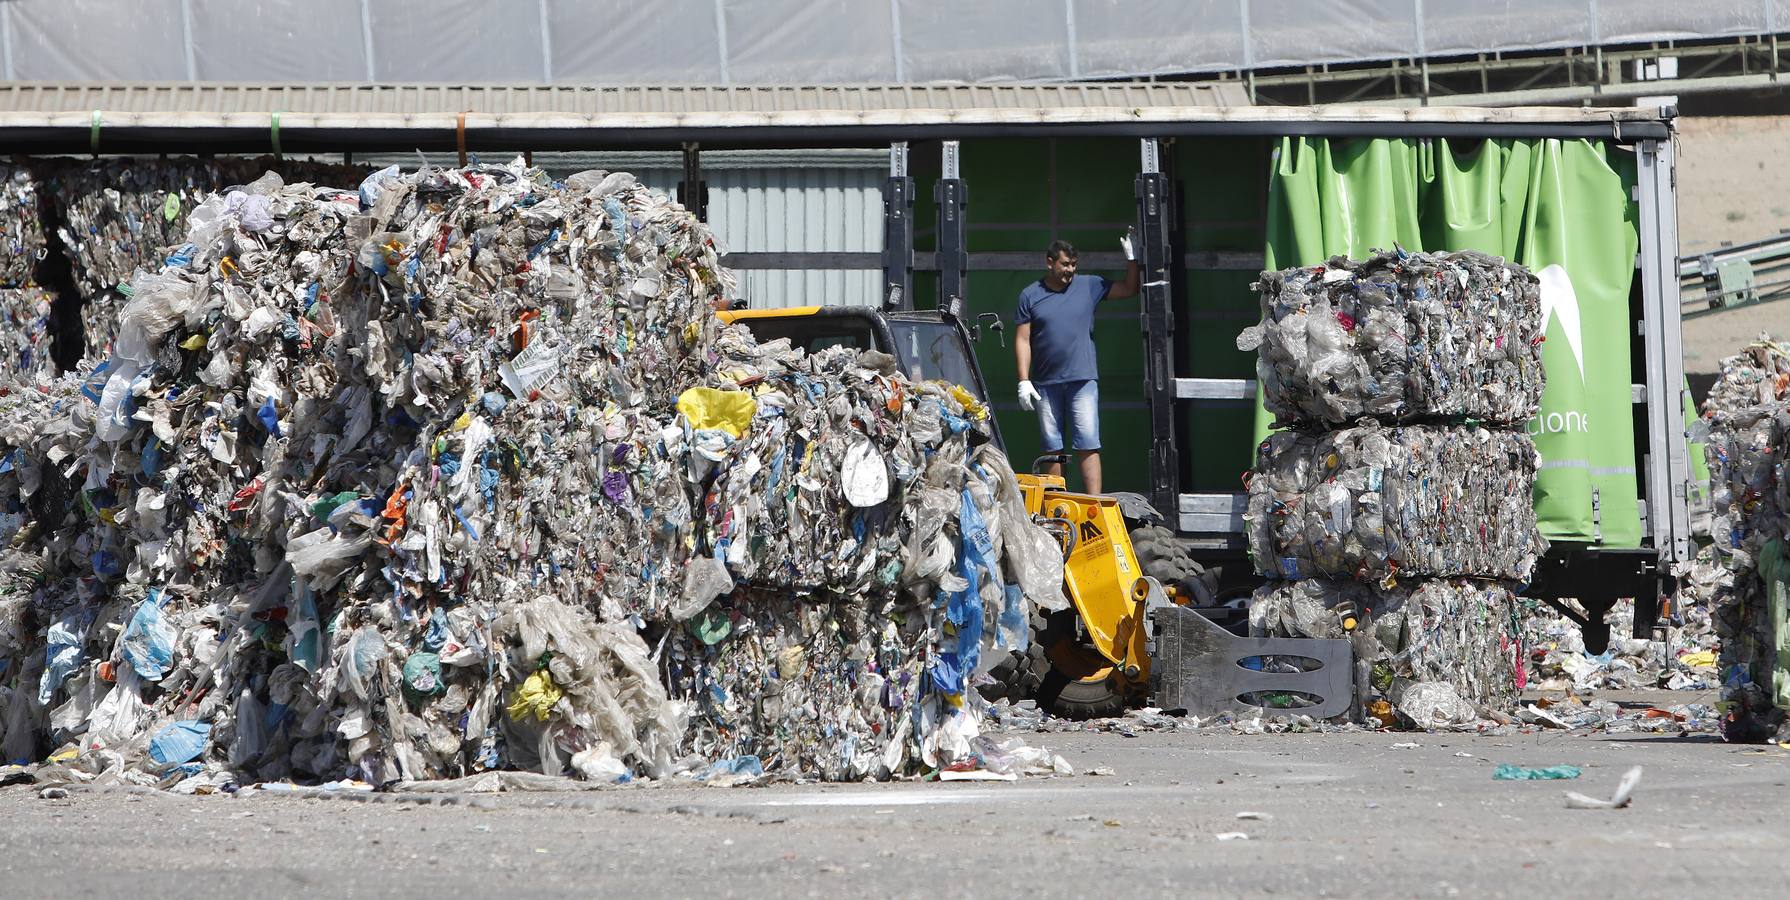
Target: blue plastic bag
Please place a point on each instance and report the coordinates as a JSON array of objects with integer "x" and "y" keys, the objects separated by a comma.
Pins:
[
  {"x": 179, "y": 742},
  {"x": 148, "y": 642},
  {"x": 63, "y": 652}
]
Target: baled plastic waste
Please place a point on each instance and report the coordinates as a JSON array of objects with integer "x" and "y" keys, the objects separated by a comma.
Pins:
[
  {"x": 1460, "y": 632},
  {"x": 1399, "y": 337},
  {"x": 1380, "y": 504},
  {"x": 25, "y": 340},
  {"x": 458, "y": 472},
  {"x": 22, "y": 241},
  {"x": 1745, "y": 578}
]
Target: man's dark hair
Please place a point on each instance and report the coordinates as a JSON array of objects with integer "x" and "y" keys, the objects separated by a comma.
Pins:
[{"x": 1059, "y": 248}]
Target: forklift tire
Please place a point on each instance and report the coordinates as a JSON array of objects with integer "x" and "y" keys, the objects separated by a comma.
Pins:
[
  {"x": 1162, "y": 558},
  {"x": 1030, "y": 676},
  {"x": 1057, "y": 693},
  {"x": 1079, "y": 700},
  {"x": 1022, "y": 673}
]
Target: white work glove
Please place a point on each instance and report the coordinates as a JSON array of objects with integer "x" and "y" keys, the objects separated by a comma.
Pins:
[
  {"x": 1028, "y": 396},
  {"x": 1126, "y": 243}
]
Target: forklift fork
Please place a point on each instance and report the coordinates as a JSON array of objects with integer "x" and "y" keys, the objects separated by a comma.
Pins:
[{"x": 1203, "y": 669}]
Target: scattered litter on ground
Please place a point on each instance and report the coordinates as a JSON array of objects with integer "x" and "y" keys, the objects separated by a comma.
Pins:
[
  {"x": 1684, "y": 661},
  {"x": 1625, "y": 790},
  {"x": 1508, "y": 772}
]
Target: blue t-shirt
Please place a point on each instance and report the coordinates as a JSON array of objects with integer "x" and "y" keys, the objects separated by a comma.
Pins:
[{"x": 1062, "y": 328}]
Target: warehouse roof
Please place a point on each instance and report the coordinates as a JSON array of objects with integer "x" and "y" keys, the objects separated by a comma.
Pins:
[
  {"x": 44, "y": 117},
  {"x": 424, "y": 99}
]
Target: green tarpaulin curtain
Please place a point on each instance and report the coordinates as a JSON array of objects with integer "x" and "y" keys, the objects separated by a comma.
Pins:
[{"x": 1561, "y": 208}]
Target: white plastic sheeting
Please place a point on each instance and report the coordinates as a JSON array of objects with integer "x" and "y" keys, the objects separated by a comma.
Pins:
[
  {"x": 1190, "y": 36},
  {"x": 1294, "y": 34},
  {"x": 802, "y": 41}
]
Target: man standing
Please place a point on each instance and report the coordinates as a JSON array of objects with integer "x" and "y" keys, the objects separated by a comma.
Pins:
[{"x": 1053, "y": 342}]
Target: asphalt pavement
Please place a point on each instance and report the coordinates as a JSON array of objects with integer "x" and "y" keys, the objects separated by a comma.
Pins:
[{"x": 1183, "y": 813}]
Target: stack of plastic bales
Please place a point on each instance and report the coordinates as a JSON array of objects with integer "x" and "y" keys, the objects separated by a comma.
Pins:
[
  {"x": 1397, "y": 512},
  {"x": 1747, "y": 417},
  {"x": 21, "y": 227},
  {"x": 25, "y": 331},
  {"x": 459, "y": 472},
  {"x": 119, "y": 215},
  {"x": 24, "y": 307}
]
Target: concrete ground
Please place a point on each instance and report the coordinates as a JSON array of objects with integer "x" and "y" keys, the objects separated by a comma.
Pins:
[{"x": 1346, "y": 815}]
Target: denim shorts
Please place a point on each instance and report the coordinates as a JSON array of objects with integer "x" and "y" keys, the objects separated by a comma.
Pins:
[{"x": 1078, "y": 404}]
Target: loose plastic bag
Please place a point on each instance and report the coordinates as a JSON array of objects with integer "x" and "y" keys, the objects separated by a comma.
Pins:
[
  {"x": 729, "y": 411},
  {"x": 179, "y": 742},
  {"x": 148, "y": 642}
]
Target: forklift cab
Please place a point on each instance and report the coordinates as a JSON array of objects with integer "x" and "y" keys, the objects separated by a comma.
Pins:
[{"x": 929, "y": 345}]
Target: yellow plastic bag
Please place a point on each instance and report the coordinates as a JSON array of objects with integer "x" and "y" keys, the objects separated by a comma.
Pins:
[
  {"x": 730, "y": 411},
  {"x": 535, "y": 697},
  {"x": 1702, "y": 659},
  {"x": 971, "y": 405}
]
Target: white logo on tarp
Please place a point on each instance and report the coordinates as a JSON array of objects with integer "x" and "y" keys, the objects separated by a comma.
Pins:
[{"x": 1559, "y": 299}]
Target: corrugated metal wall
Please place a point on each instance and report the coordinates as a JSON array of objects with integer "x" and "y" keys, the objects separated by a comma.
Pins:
[
  {"x": 807, "y": 209},
  {"x": 765, "y": 202}
]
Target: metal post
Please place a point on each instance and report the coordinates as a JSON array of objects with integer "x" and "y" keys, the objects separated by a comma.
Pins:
[
  {"x": 1771, "y": 27},
  {"x": 898, "y": 232},
  {"x": 366, "y": 36},
  {"x": 693, "y": 192},
  {"x": 1668, "y": 458},
  {"x": 1157, "y": 318},
  {"x": 953, "y": 252},
  {"x": 1423, "y": 54},
  {"x": 6, "y": 69}
]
